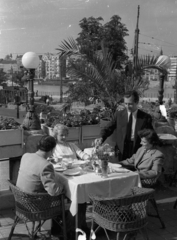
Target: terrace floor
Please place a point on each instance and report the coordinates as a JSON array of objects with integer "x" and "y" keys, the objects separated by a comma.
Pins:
[{"x": 165, "y": 197}]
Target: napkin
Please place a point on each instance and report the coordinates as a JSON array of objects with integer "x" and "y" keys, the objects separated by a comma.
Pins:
[{"x": 117, "y": 168}]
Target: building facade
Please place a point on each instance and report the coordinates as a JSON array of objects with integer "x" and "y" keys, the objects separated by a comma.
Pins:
[
  {"x": 9, "y": 66},
  {"x": 50, "y": 66},
  {"x": 173, "y": 69},
  {"x": 54, "y": 66},
  {"x": 152, "y": 74}
]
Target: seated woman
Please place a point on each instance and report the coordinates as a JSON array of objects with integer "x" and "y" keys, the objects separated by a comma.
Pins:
[
  {"x": 66, "y": 149},
  {"x": 36, "y": 174},
  {"x": 148, "y": 160}
]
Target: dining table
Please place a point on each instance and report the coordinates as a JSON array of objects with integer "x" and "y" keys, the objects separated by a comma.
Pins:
[{"x": 85, "y": 183}]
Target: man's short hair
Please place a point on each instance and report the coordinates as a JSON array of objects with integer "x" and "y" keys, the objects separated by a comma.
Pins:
[
  {"x": 46, "y": 143},
  {"x": 133, "y": 94}
]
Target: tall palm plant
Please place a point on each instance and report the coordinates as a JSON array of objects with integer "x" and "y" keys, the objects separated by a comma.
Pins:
[
  {"x": 96, "y": 68},
  {"x": 99, "y": 69},
  {"x": 137, "y": 77}
]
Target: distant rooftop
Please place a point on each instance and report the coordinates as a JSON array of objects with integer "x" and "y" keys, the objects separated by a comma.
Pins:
[{"x": 2, "y": 61}]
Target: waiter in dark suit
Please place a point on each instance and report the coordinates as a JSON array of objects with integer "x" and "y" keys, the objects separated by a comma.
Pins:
[{"x": 127, "y": 123}]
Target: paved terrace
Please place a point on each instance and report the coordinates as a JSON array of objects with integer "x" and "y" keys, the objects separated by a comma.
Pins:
[{"x": 165, "y": 198}]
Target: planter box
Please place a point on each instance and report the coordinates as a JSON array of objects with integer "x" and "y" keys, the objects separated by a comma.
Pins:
[
  {"x": 111, "y": 140},
  {"x": 85, "y": 135},
  {"x": 88, "y": 134},
  {"x": 11, "y": 143},
  {"x": 74, "y": 133}
]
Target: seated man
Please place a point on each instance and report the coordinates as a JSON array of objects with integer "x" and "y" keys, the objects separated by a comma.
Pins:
[
  {"x": 148, "y": 160},
  {"x": 36, "y": 174}
]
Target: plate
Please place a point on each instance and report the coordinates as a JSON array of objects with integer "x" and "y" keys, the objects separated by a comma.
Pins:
[
  {"x": 120, "y": 170},
  {"x": 79, "y": 162},
  {"x": 115, "y": 165},
  {"x": 59, "y": 168},
  {"x": 166, "y": 136},
  {"x": 72, "y": 172}
]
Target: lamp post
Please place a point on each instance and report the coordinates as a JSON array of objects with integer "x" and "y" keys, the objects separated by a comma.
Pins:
[
  {"x": 61, "y": 81},
  {"x": 30, "y": 61},
  {"x": 18, "y": 103},
  {"x": 162, "y": 64}
]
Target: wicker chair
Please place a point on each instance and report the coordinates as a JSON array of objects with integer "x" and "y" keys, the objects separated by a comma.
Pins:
[
  {"x": 152, "y": 183},
  {"x": 175, "y": 204},
  {"x": 126, "y": 214},
  {"x": 37, "y": 208}
]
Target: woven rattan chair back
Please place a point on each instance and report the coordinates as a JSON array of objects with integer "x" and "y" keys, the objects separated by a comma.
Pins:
[
  {"x": 149, "y": 182},
  {"x": 31, "y": 207},
  {"x": 152, "y": 183},
  {"x": 126, "y": 214}
]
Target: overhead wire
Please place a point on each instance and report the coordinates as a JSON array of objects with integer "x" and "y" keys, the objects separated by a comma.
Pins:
[
  {"x": 158, "y": 39},
  {"x": 147, "y": 49},
  {"x": 156, "y": 45}
]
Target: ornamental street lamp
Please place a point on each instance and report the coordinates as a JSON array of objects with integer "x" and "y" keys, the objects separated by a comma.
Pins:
[
  {"x": 162, "y": 64},
  {"x": 30, "y": 61},
  {"x": 18, "y": 103}
]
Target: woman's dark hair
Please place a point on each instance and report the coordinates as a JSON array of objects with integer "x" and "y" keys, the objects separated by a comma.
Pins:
[
  {"x": 133, "y": 94},
  {"x": 46, "y": 143},
  {"x": 150, "y": 135}
]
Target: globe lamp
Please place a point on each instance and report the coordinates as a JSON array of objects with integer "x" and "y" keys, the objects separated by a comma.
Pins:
[{"x": 30, "y": 61}]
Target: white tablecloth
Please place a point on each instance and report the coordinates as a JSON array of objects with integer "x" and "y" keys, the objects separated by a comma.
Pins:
[{"x": 78, "y": 188}]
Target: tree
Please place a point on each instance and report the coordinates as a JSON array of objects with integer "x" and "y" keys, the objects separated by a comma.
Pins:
[
  {"x": 91, "y": 34},
  {"x": 3, "y": 77},
  {"x": 112, "y": 34},
  {"x": 75, "y": 91},
  {"x": 18, "y": 77},
  {"x": 98, "y": 58},
  {"x": 8, "y": 57}
]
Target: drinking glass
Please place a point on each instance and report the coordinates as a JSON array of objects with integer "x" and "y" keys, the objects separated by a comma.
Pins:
[
  {"x": 104, "y": 168},
  {"x": 59, "y": 161}
]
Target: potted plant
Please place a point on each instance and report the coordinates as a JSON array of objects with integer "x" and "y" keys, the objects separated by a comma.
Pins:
[
  {"x": 172, "y": 116},
  {"x": 82, "y": 126},
  {"x": 11, "y": 138}
]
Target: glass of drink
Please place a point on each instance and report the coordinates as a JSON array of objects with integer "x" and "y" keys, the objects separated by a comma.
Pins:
[
  {"x": 104, "y": 168},
  {"x": 58, "y": 161}
]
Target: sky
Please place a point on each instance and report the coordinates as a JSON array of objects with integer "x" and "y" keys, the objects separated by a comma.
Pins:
[{"x": 41, "y": 25}]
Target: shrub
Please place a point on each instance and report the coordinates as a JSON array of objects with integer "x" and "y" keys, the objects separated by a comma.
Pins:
[{"x": 172, "y": 112}]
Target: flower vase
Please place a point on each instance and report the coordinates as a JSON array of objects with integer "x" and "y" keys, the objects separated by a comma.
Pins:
[{"x": 104, "y": 168}]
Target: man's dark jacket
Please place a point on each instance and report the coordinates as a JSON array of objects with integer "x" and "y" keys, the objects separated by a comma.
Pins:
[{"x": 119, "y": 124}]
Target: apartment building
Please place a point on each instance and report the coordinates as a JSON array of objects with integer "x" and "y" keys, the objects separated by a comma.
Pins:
[
  {"x": 152, "y": 74},
  {"x": 49, "y": 66},
  {"x": 9, "y": 66},
  {"x": 53, "y": 65},
  {"x": 173, "y": 69}
]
